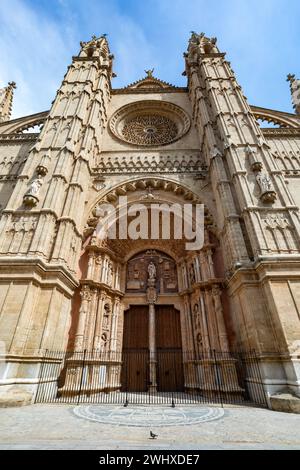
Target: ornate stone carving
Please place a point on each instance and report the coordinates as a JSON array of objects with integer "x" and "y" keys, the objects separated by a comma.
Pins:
[
  {"x": 110, "y": 275},
  {"x": 274, "y": 221},
  {"x": 150, "y": 123},
  {"x": 150, "y": 130},
  {"x": 295, "y": 91},
  {"x": 22, "y": 224},
  {"x": 151, "y": 268},
  {"x": 151, "y": 291},
  {"x": 149, "y": 194},
  {"x": 151, "y": 295},
  {"x": 192, "y": 274},
  {"x": 144, "y": 163},
  {"x": 255, "y": 163},
  {"x": 267, "y": 194},
  {"x": 42, "y": 170},
  {"x": 85, "y": 294},
  {"x": 31, "y": 197}
]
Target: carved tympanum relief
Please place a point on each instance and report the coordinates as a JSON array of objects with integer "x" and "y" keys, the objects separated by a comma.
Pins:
[{"x": 151, "y": 261}]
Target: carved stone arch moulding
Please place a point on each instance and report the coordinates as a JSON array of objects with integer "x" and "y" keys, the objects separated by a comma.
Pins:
[
  {"x": 139, "y": 183},
  {"x": 149, "y": 123},
  {"x": 283, "y": 120},
  {"x": 23, "y": 124},
  {"x": 154, "y": 190}
]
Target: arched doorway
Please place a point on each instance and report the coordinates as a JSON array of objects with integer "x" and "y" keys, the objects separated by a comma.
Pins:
[
  {"x": 148, "y": 295},
  {"x": 153, "y": 296},
  {"x": 167, "y": 355},
  {"x": 152, "y": 342}
]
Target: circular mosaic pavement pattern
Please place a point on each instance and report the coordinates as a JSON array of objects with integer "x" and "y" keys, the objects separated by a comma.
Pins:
[{"x": 148, "y": 416}]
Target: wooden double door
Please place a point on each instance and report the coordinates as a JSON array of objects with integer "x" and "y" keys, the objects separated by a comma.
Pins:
[{"x": 168, "y": 355}]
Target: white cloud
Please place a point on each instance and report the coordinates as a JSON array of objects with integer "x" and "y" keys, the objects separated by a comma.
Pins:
[
  {"x": 33, "y": 54},
  {"x": 37, "y": 44}
]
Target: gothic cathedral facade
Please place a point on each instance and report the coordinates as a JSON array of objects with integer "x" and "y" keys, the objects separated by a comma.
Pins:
[{"x": 63, "y": 288}]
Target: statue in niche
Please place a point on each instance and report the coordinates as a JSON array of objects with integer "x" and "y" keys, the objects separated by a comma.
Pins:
[
  {"x": 147, "y": 267},
  {"x": 199, "y": 340},
  {"x": 267, "y": 194},
  {"x": 192, "y": 274},
  {"x": 264, "y": 182},
  {"x": 35, "y": 187},
  {"x": 103, "y": 341},
  {"x": 196, "y": 316},
  {"x": 109, "y": 275},
  {"x": 151, "y": 270},
  {"x": 106, "y": 316},
  {"x": 105, "y": 321}
]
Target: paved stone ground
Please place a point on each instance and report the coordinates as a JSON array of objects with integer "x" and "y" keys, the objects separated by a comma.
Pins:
[{"x": 116, "y": 427}]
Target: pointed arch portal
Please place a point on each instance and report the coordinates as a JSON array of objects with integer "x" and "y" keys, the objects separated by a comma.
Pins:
[{"x": 150, "y": 308}]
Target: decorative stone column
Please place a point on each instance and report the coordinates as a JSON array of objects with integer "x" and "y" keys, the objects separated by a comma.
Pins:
[
  {"x": 220, "y": 318},
  {"x": 79, "y": 337},
  {"x": 114, "y": 325},
  {"x": 151, "y": 299},
  {"x": 206, "y": 343},
  {"x": 98, "y": 328}
]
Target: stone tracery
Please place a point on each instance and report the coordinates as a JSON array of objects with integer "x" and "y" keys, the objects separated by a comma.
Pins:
[
  {"x": 150, "y": 123},
  {"x": 150, "y": 129}
]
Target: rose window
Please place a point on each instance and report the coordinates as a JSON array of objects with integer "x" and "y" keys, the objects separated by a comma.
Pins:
[
  {"x": 149, "y": 123},
  {"x": 149, "y": 130}
]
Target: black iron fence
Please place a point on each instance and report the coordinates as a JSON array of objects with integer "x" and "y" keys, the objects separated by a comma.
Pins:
[{"x": 137, "y": 377}]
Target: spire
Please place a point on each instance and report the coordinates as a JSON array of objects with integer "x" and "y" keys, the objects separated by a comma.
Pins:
[
  {"x": 199, "y": 46},
  {"x": 295, "y": 91},
  {"x": 97, "y": 49},
  {"x": 6, "y": 99}
]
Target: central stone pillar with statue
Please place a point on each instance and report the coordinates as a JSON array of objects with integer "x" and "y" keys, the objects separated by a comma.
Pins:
[{"x": 151, "y": 299}]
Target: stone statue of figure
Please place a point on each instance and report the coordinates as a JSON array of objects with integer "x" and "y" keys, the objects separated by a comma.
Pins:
[
  {"x": 267, "y": 191},
  {"x": 149, "y": 73},
  {"x": 35, "y": 187},
  {"x": 110, "y": 275},
  {"x": 151, "y": 270},
  {"x": 264, "y": 182}
]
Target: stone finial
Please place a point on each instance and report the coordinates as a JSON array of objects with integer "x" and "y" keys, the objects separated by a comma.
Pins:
[
  {"x": 295, "y": 91},
  {"x": 6, "y": 100},
  {"x": 290, "y": 78},
  {"x": 98, "y": 48},
  {"x": 200, "y": 45}
]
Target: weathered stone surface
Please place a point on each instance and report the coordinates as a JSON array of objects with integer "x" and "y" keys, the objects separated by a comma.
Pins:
[
  {"x": 63, "y": 287},
  {"x": 286, "y": 403},
  {"x": 14, "y": 397}
]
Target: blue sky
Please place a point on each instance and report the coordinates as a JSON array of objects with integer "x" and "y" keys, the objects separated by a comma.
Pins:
[{"x": 39, "y": 37}]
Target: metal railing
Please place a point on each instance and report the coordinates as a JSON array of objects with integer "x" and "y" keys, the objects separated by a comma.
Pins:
[{"x": 122, "y": 377}]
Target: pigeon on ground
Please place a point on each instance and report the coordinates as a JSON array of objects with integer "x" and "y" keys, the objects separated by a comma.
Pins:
[{"x": 152, "y": 435}]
